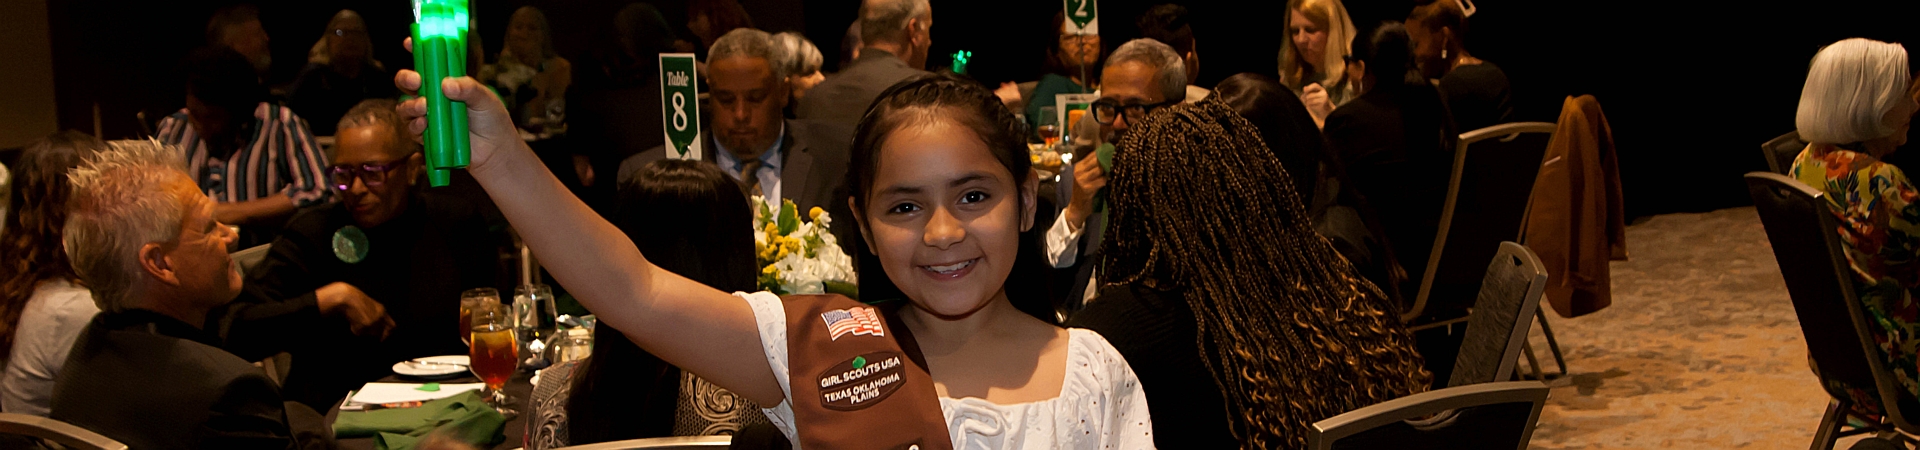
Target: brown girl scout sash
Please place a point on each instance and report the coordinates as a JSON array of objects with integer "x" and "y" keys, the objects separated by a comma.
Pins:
[{"x": 858, "y": 379}]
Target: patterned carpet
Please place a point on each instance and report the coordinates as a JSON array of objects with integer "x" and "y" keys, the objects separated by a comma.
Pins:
[{"x": 1700, "y": 349}]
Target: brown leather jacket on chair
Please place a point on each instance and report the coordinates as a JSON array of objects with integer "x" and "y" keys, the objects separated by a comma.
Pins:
[{"x": 1577, "y": 223}]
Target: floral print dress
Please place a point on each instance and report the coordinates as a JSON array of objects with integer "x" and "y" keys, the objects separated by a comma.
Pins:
[{"x": 1879, "y": 212}]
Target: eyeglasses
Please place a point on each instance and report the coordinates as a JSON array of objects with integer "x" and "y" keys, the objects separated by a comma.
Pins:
[
  {"x": 373, "y": 174},
  {"x": 1107, "y": 111}
]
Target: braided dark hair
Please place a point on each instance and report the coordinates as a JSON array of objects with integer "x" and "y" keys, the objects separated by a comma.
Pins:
[{"x": 1289, "y": 329}]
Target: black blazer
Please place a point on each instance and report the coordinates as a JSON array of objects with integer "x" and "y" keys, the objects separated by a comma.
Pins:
[
  {"x": 836, "y": 105},
  {"x": 809, "y": 175},
  {"x": 153, "y": 382}
]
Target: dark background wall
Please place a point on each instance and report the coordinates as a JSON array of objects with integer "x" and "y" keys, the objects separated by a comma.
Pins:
[{"x": 1691, "y": 88}]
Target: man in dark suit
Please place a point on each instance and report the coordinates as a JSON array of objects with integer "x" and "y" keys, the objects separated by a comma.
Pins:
[
  {"x": 897, "y": 34},
  {"x": 146, "y": 372},
  {"x": 748, "y": 138}
]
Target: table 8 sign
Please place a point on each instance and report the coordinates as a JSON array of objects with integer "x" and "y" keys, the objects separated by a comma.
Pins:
[{"x": 680, "y": 105}]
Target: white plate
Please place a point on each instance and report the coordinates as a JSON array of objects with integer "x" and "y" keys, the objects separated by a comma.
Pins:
[{"x": 426, "y": 369}]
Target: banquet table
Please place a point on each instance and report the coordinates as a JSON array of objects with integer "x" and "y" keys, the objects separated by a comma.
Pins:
[{"x": 520, "y": 388}]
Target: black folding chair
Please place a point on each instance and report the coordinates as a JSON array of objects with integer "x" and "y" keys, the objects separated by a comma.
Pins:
[
  {"x": 1480, "y": 416},
  {"x": 1806, "y": 243},
  {"x": 1497, "y": 328},
  {"x": 1781, "y": 151},
  {"x": 1493, "y": 173}
]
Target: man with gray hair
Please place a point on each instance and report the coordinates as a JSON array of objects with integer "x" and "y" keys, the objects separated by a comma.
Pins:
[
  {"x": 896, "y": 35},
  {"x": 747, "y": 133},
  {"x": 1141, "y": 76},
  {"x": 142, "y": 236}
]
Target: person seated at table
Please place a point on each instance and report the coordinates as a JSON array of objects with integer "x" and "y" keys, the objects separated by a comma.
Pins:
[
  {"x": 410, "y": 252},
  {"x": 42, "y": 301},
  {"x": 750, "y": 138},
  {"x": 802, "y": 60},
  {"x": 238, "y": 27},
  {"x": 1142, "y": 76},
  {"x": 1313, "y": 57},
  {"x": 1319, "y": 177},
  {"x": 1397, "y": 143},
  {"x": 1288, "y": 332},
  {"x": 895, "y": 36},
  {"x": 147, "y": 371},
  {"x": 942, "y": 189},
  {"x": 623, "y": 392},
  {"x": 1172, "y": 25},
  {"x": 711, "y": 19},
  {"x": 255, "y": 159},
  {"x": 1854, "y": 110},
  {"x": 1073, "y": 62},
  {"x": 530, "y": 76},
  {"x": 1476, "y": 90},
  {"x": 341, "y": 73}
]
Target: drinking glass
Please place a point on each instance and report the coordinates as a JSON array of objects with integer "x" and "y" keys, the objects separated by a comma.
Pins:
[
  {"x": 1049, "y": 126},
  {"x": 494, "y": 352},
  {"x": 470, "y": 299},
  {"x": 534, "y": 319}
]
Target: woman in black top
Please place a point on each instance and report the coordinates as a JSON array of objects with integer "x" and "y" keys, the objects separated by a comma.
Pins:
[
  {"x": 1244, "y": 326},
  {"x": 1396, "y": 142}
]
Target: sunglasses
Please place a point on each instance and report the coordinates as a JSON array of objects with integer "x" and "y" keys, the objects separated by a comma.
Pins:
[{"x": 373, "y": 174}]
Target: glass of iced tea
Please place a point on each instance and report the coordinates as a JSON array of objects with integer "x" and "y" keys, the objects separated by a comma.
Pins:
[
  {"x": 494, "y": 351},
  {"x": 470, "y": 299}
]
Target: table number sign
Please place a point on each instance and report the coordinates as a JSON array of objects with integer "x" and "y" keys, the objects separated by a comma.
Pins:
[
  {"x": 680, "y": 105},
  {"x": 1082, "y": 17}
]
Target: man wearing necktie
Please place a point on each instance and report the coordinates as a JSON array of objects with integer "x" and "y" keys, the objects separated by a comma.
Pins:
[{"x": 747, "y": 135}]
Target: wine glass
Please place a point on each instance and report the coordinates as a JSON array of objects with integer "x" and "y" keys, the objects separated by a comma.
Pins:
[
  {"x": 494, "y": 353},
  {"x": 1049, "y": 126},
  {"x": 469, "y": 300}
]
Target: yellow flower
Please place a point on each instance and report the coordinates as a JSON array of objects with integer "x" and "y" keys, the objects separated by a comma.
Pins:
[{"x": 814, "y": 214}]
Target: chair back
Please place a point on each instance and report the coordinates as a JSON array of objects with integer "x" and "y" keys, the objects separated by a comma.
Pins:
[
  {"x": 1781, "y": 151},
  {"x": 1497, "y": 328},
  {"x": 1812, "y": 259},
  {"x": 1493, "y": 173},
  {"x": 58, "y": 432},
  {"x": 1480, "y": 416},
  {"x": 663, "y": 443}
]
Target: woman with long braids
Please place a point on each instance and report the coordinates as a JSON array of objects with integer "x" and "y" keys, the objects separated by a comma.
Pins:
[{"x": 1244, "y": 325}]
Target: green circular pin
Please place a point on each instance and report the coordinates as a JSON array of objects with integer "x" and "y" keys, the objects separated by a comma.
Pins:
[
  {"x": 859, "y": 362},
  {"x": 350, "y": 244}
]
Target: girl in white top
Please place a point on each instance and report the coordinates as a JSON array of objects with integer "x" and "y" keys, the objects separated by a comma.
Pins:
[
  {"x": 43, "y": 305},
  {"x": 941, "y": 192}
]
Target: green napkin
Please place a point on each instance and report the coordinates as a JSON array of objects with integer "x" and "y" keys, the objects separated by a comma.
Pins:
[
  {"x": 1105, "y": 154},
  {"x": 466, "y": 417}
]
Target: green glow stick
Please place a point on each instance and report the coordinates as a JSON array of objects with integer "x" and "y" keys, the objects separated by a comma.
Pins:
[{"x": 439, "y": 49}]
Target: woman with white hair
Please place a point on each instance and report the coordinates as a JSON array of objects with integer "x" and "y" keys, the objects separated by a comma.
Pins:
[
  {"x": 802, "y": 60},
  {"x": 1855, "y": 110}
]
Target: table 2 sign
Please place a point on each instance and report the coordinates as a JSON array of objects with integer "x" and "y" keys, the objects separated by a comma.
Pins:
[
  {"x": 1083, "y": 17},
  {"x": 680, "y": 105}
]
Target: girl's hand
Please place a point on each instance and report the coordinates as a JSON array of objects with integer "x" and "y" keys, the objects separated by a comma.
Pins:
[{"x": 489, "y": 127}]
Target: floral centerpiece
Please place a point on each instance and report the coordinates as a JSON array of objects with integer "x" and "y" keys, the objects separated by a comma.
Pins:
[{"x": 796, "y": 256}]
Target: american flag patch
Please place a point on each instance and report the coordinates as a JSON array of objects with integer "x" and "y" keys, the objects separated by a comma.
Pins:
[{"x": 860, "y": 320}]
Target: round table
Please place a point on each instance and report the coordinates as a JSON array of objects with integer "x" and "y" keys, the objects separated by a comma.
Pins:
[{"x": 520, "y": 388}]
